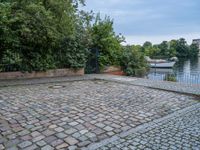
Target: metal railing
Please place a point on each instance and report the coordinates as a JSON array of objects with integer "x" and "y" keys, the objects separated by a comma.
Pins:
[
  {"x": 9, "y": 67},
  {"x": 189, "y": 78}
]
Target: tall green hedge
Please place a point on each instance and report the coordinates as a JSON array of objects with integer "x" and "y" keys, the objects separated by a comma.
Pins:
[{"x": 40, "y": 33}]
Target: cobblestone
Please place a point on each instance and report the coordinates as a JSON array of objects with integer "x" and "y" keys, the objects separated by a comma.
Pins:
[
  {"x": 179, "y": 132},
  {"x": 79, "y": 113}
]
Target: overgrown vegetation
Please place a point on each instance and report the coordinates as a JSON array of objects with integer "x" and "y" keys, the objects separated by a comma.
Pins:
[
  {"x": 37, "y": 35},
  {"x": 108, "y": 43},
  {"x": 178, "y": 48},
  {"x": 133, "y": 62},
  {"x": 43, "y": 34},
  {"x": 170, "y": 77}
]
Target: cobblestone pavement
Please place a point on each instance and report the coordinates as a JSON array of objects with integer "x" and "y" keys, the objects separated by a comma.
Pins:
[
  {"x": 180, "y": 132},
  {"x": 170, "y": 86},
  {"x": 73, "y": 115},
  {"x": 165, "y": 85}
]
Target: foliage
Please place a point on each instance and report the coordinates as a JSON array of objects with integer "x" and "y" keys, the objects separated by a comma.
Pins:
[
  {"x": 171, "y": 78},
  {"x": 133, "y": 62},
  {"x": 182, "y": 48},
  {"x": 72, "y": 54},
  {"x": 37, "y": 31},
  {"x": 178, "y": 48},
  {"x": 194, "y": 50},
  {"x": 105, "y": 39}
]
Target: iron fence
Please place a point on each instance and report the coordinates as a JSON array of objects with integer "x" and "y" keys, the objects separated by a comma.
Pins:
[{"x": 189, "y": 78}]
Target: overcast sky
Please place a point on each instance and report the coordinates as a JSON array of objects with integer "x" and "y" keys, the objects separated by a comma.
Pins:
[{"x": 151, "y": 20}]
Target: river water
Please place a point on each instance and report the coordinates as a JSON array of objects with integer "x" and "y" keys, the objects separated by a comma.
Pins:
[{"x": 184, "y": 71}]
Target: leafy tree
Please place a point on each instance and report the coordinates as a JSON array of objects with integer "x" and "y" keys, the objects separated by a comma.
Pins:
[
  {"x": 172, "y": 49},
  {"x": 194, "y": 50},
  {"x": 105, "y": 39},
  {"x": 146, "y": 47},
  {"x": 182, "y": 48},
  {"x": 35, "y": 31},
  {"x": 133, "y": 62},
  {"x": 164, "y": 48}
]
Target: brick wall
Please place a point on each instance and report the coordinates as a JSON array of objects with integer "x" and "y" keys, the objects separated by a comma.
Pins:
[{"x": 42, "y": 74}]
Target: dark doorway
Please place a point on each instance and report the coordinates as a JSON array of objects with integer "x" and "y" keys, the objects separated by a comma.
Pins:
[{"x": 92, "y": 65}]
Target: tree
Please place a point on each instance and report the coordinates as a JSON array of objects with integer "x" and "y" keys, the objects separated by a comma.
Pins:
[
  {"x": 164, "y": 47},
  {"x": 194, "y": 50},
  {"x": 35, "y": 30},
  {"x": 172, "y": 50},
  {"x": 147, "y": 44},
  {"x": 182, "y": 48},
  {"x": 105, "y": 39},
  {"x": 133, "y": 62}
]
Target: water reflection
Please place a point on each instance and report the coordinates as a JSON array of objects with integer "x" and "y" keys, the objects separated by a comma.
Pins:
[{"x": 185, "y": 70}]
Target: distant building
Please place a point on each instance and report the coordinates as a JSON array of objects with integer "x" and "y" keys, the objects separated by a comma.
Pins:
[{"x": 196, "y": 41}]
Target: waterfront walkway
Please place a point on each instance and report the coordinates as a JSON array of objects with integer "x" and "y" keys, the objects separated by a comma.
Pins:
[
  {"x": 164, "y": 85},
  {"x": 98, "y": 112}
]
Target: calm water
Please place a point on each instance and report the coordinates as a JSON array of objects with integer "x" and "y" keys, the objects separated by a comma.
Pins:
[{"x": 185, "y": 70}]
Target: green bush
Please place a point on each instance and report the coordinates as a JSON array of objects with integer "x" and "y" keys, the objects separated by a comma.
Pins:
[
  {"x": 41, "y": 33},
  {"x": 171, "y": 78},
  {"x": 106, "y": 41},
  {"x": 133, "y": 62}
]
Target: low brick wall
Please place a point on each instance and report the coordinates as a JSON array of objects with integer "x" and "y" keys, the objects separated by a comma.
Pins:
[
  {"x": 113, "y": 70},
  {"x": 42, "y": 74}
]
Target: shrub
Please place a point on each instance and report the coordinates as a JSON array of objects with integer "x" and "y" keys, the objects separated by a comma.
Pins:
[
  {"x": 171, "y": 78},
  {"x": 133, "y": 62},
  {"x": 39, "y": 32}
]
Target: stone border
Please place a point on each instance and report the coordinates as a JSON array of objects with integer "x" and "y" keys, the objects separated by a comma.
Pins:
[
  {"x": 42, "y": 74},
  {"x": 181, "y": 88},
  {"x": 144, "y": 127}
]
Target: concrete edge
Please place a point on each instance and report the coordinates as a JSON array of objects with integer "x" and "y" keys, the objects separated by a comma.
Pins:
[{"x": 149, "y": 86}]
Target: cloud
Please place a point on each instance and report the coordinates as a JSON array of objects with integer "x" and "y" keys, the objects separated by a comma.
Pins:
[
  {"x": 150, "y": 18},
  {"x": 156, "y": 39}
]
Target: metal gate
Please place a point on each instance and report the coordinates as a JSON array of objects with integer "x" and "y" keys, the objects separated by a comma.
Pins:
[{"x": 92, "y": 65}]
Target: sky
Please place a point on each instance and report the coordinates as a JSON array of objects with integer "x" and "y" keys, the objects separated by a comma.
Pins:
[{"x": 151, "y": 20}]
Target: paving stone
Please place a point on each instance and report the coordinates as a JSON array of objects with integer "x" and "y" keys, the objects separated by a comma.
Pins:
[
  {"x": 1, "y": 146},
  {"x": 90, "y": 135},
  {"x": 41, "y": 143},
  {"x": 24, "y": 144},
  {"x": 52, "y": 126},
  {"x": 73, "y": 123},
  {"x": 48, "y": 132},
  {"x": 12, "y": 148},
  {"x": 35, "y": 134},
  {"x": 83, "y": 131},
  {"x": 70, "y": 131},
  {"x": 61, "y": 135},
  {"x": 100, "y": 125},
  {"x": 32, "y": 147},
  {"x": 24, "y": 132},
  {"x": 56, "y": 142},
  {"x": 47, "y": 147},
  {"x": 10, "y": 143},
  {"x": 50, "y": 139},
  {"x": 64, "y": 145},
  {"x": 72, "y": 147},
  {"x": 71, "y": 140},
  {"x": 108, "y": 128},
  {"x": 38, "y": 138},
  {"x": 59, "y": 129},
  {"x": 65, "y": 119}
]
